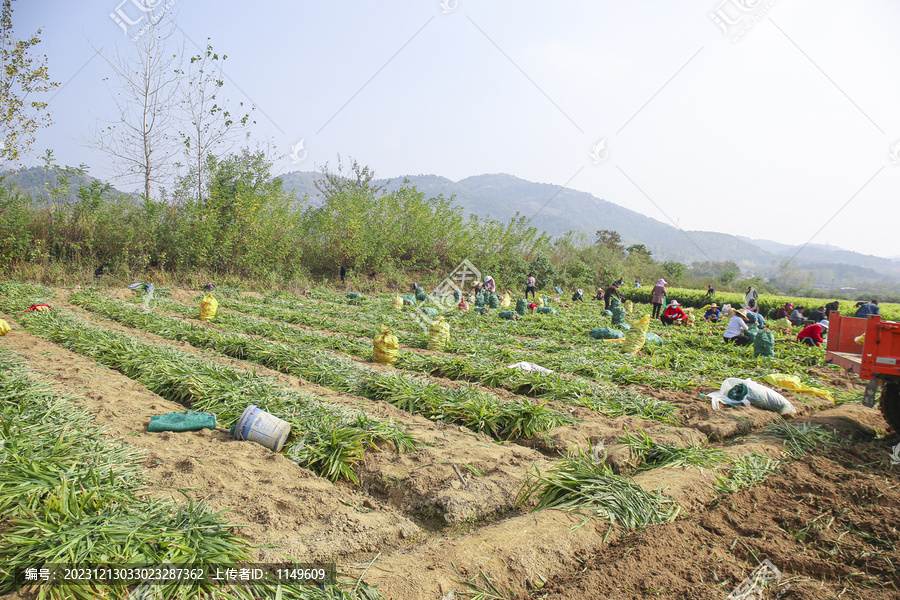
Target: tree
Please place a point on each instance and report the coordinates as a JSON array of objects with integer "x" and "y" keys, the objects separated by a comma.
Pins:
[
  {"x": 674, "y": 270},
  {"x": 610, "y": 239},
  {"x": 139, "y": 139},
  {"x": 210, "y": 126},
  {"x": 21, "y": 76},
  {"x": 638, "y": 251}
]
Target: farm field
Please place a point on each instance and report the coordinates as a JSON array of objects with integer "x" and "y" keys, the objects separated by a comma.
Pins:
[{"x": 449, "y": 474}]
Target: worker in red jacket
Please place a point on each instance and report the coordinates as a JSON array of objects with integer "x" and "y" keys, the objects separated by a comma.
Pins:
[
  {"x": 673, "y": 315},
  {"x": 812, "y": 335}
]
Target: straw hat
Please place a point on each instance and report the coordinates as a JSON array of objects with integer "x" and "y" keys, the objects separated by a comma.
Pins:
[
  {"x": 740, "y": 311},
  {"x": 713, "y": 305}
]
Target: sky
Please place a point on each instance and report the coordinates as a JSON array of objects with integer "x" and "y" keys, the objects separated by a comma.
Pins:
[{"x": 772, "y": 119}]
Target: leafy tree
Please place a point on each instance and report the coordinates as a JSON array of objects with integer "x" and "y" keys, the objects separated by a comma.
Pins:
[
  {"x": 21, "y": 77},
  {"x": 674, "y": 270},
  {"x": 610, "y": 239},
  {"x": 638, "y": 251}
]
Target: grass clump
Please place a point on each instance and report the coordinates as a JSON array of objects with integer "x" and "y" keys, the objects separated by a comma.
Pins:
[
  {"x": 650, "y": 454},
  {"x": 580, "y": 483},
  {"x": 800, "y": 439},
  {"x": 747, "y": 471}
]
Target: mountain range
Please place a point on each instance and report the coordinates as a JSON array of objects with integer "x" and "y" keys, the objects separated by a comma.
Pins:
[{"x": 558, "y": 211}]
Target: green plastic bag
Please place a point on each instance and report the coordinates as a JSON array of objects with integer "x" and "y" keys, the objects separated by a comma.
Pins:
[
  {"x": 764, "y": 344},
  {"x": 187, "y": 420}
]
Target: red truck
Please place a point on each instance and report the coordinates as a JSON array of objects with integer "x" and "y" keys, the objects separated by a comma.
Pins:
[{"x": 877, "y": 359}]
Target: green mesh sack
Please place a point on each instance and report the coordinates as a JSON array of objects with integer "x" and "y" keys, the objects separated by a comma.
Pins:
[
  {"x": 456, "y": 296},
  {"x": 431, "y": 312},
  {"x": 618, "y": 315},
  {"x": 521, "y": 305},
  {"x": 353, "y": 295},
  {"x": 752, "y": 332},
  {"x": 605, "y": 313},
  {"x": 506, "y": 314},
  {"x": 187, "y": 420},
  {"x": 606, "y": 333},
  {"x": 409, "y": 300},
  {"x": 764, "y": 344},
  {"x": 494, "y": 301},
  {"x": 546, "y": 310},
  {"x": 652, "y": 338},
  {"x": 421, "y": 296}
]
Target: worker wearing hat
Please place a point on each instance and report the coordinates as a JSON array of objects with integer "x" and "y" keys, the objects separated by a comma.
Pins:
[
  {"x": 737, "y": 325},
  {"x": 673, "y": 315},
  {"x": 712, "y": 313},
  {"x": 813, "y": 335}
]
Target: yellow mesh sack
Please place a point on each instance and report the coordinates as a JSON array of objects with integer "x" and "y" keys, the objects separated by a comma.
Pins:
[
  {"x": 4, "y": 327},
  {"x": 387, "y": 347},
  {"x": 637, "y": 335},
  {"x": 507, "y": 299},
  {"x": 208, "y": 307},
  {"x": 629, "y": 305},
  {"x": 439, "y": 334},
  {"x": 397, "y": 304}
]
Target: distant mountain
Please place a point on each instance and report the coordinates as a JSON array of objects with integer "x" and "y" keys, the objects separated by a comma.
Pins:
[
  {"x": 559, "y": 210},
  {"x": 36, "y": 181}
]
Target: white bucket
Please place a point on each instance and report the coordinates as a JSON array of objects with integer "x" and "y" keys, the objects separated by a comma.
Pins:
[{"x": 256, "y": 425}]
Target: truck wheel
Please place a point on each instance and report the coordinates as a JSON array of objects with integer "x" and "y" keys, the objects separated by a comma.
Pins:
[{"x": 890, "y": 404}]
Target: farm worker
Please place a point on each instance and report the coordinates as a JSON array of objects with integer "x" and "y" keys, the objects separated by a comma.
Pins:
[
  {"x": 710, "y": 292},
  {"x": 657, "y": 297},
  {"x": 831, "y": 307},
  {"x": 869, "y": 308},
  {"x": 578, "y": 296},
  {"x": 489, "y": 284},
  {"x": 737, "y": 325},
  {"x": 673, "y": 315},
  {"x": 344, "y": 273},
  {"x": 611, "y": 292},
  {"x": 530, "y": 286},
  {"x": 637, "y": 284},
  {"x": 817, "y": 315},
  {"x": 620, "y": 281},
  {"x": 599, "y": 295},
  {"x": 712, "y": 313},
  {"x": 751, "y": 295},
  {"x": 783, "y": 311},
  {"x": 796, "y": 316},
  {"x": 812, "y": 335}
]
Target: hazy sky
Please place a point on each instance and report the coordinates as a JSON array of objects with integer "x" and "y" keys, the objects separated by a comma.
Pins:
[{"x": 773, "y": 119}]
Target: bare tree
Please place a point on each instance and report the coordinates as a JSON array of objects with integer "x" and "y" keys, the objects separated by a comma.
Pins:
[
  {"x": 141, "y": 137},
  {"x": 208, "y": 123},
  {"x": 21, "y": 76}
]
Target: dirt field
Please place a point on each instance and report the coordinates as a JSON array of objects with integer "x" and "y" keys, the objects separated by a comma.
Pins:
[{"x": 421, "y": 524}]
